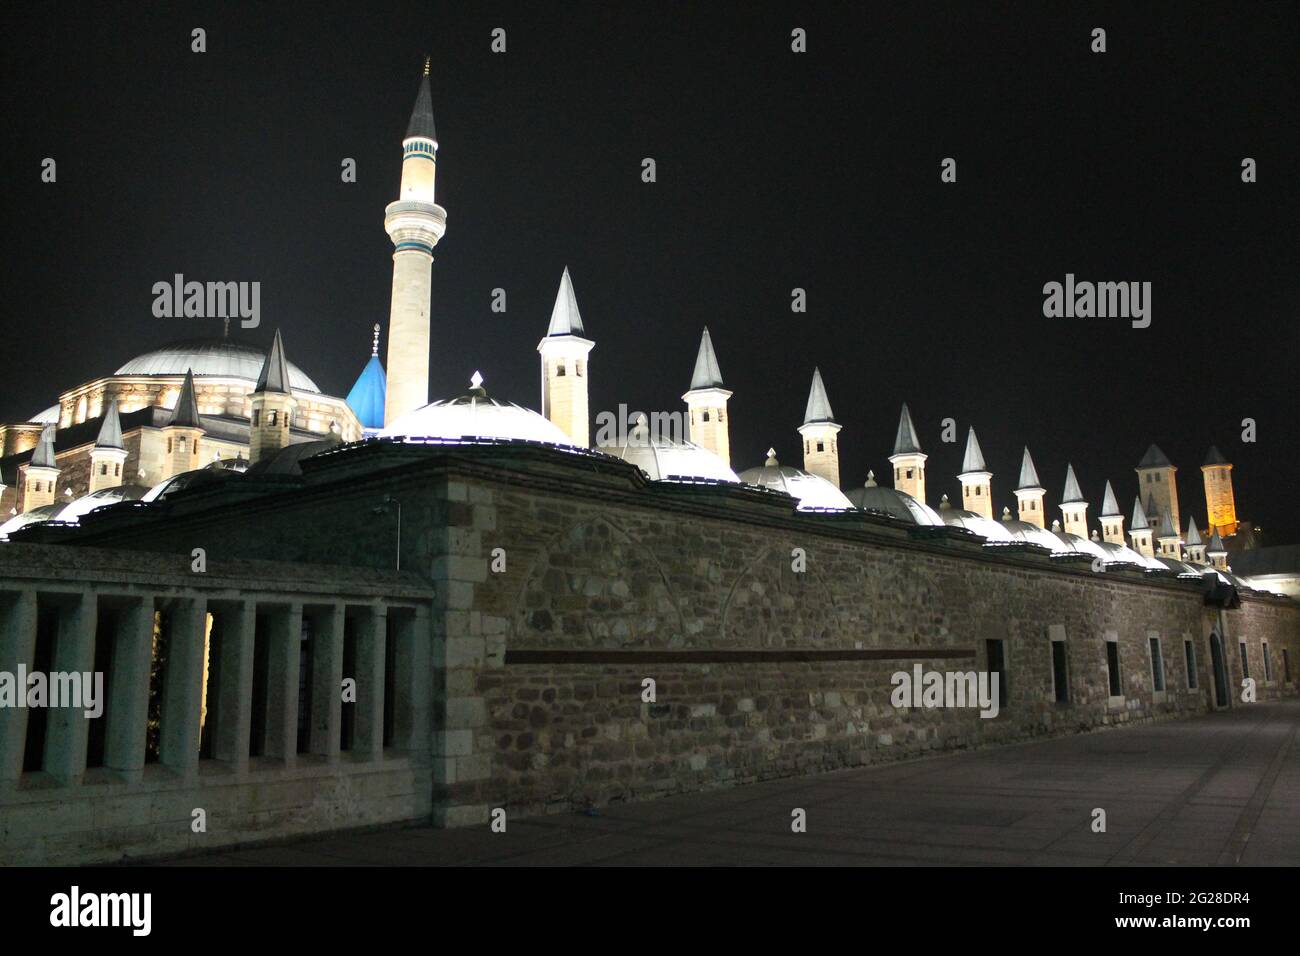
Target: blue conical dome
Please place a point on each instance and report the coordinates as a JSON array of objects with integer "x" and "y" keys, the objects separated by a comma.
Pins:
[{"x": 367, "y": 396}]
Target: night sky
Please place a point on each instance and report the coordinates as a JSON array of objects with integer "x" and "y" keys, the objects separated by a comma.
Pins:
[{"x": 775, "y": 171}]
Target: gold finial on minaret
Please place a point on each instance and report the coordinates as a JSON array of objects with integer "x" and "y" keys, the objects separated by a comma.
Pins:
[
  {"x": 374, "y": 348},
  {"x": 426, "y": 65}
]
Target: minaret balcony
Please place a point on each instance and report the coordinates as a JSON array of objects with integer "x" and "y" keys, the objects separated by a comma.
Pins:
[{"x": 416, "y": 222}]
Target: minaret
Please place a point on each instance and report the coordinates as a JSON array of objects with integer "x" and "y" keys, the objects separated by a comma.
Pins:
[
  {"x": 564, "y": 367},
  {"x": 706, "y": 403},
  {"x": 415, "y": 223},
  {"x": 821, "y": 449},
  {"x": 1074, "y": 509},
  {"x": 1167, "y": 537},
  {"x": 1156, "y": 479},
  {"x": 976, "y": 480},
  {"x": 1220, "y": 504},
  {"x": 1140, "y": 531},
  {"x": 908, "y": 459},
  {"x": 1217, "y": 553},
  {"x": 1112, "y": 522},
  {"x": 1030, "y": 493},
  {"x": 41, "y": 473},
  {"x": 273, "y": 404},
  {"x": 183, "y": 430},
  {"x": 1195, "y": 546},
  {"x": 109, "y": 454}
]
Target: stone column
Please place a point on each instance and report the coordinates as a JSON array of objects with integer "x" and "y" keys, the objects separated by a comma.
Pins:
[
  {"x": 17, "y": 646},
  {"x": 183, "y": 686},
  {"x": 413, "y": 679},
  {"x": 466, "y": 642},
  {"x": 128, "y": 709},
  {"x": 327, "y": 682},
  {"x": 372, "y": 625},
  {"x": 74, "y": 653},
  {"x": 235, "y": 685},
  {"x": 282, "y": 683}
]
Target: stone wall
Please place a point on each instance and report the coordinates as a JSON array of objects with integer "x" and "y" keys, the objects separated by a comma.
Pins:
[{"x": 562, "y": 583}]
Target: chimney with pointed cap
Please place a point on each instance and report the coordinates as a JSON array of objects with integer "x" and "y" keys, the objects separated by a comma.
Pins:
[
  {"x": 273, "y": 405},
  {"x": 908, "y": 459},
  {"x": 108, "y": 456},
  {"x": 565, "y": 366},
  {"x": 1030, "y": 493},
  {"x": 706, "y": 403},
  {"x": 976, "y": 479},
  {"x": 821, "y": 446}
]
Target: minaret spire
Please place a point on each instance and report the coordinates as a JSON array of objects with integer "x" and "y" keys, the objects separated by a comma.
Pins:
[{"x": 415, "y": 223}]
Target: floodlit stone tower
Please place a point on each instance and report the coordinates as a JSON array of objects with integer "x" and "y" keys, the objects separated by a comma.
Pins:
[
  {"x": 415, "y": 223},
  {"x": 564, "y": 367},
  {"x": 273, "y": 405},
  {"x": 1220, "y": 504},
  {"x": 41, "y": 473},
  {"x": 976, "y": 480},
  {"x": 1112, "y": 522},
  {"x": 1030, "y": 493},
  {"x": 109, "y": 454},
  {"x": 1074, "y": 509},
  {"x": 908, "y": 459},
  {"x": 706, "y": 403},
  {"x": 1156, "y": 480},
  {"x": 1140, "y": 531},
  {"x": 821, "y": 448},
  {"x": 182, "y": 432}
]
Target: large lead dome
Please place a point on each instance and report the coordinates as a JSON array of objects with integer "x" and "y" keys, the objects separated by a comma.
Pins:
[{"x": 218, "y": 357}]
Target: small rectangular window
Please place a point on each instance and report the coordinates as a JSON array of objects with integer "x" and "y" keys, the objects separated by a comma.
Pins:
[
  {"x": 1268, "y": 663},
  {"x": 1157, "y": 665},
  {"x": 995, "y": 656},
  {"x": 1286, "y": 665},
  {"x": 1112, "y": 668},
  {"x": 1245, "y": 661},
  {"x": 1060, "y": 672},
  {"x": 1189, "y": 652}
]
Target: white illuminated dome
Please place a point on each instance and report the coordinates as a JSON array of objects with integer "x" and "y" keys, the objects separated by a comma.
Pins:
[
  {"x": 895, "y": 503},
  {"x": 812, "y": 491},
  {"x": 665, "y": 460},
  {"x": 476, "y": 416}
]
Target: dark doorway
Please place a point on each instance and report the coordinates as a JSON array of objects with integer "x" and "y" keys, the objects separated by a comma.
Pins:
[{"x": 1220, "y": 672}]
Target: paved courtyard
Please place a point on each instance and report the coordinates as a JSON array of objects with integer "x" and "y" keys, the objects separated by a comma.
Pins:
[{"x": 1219, "y": 789}]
